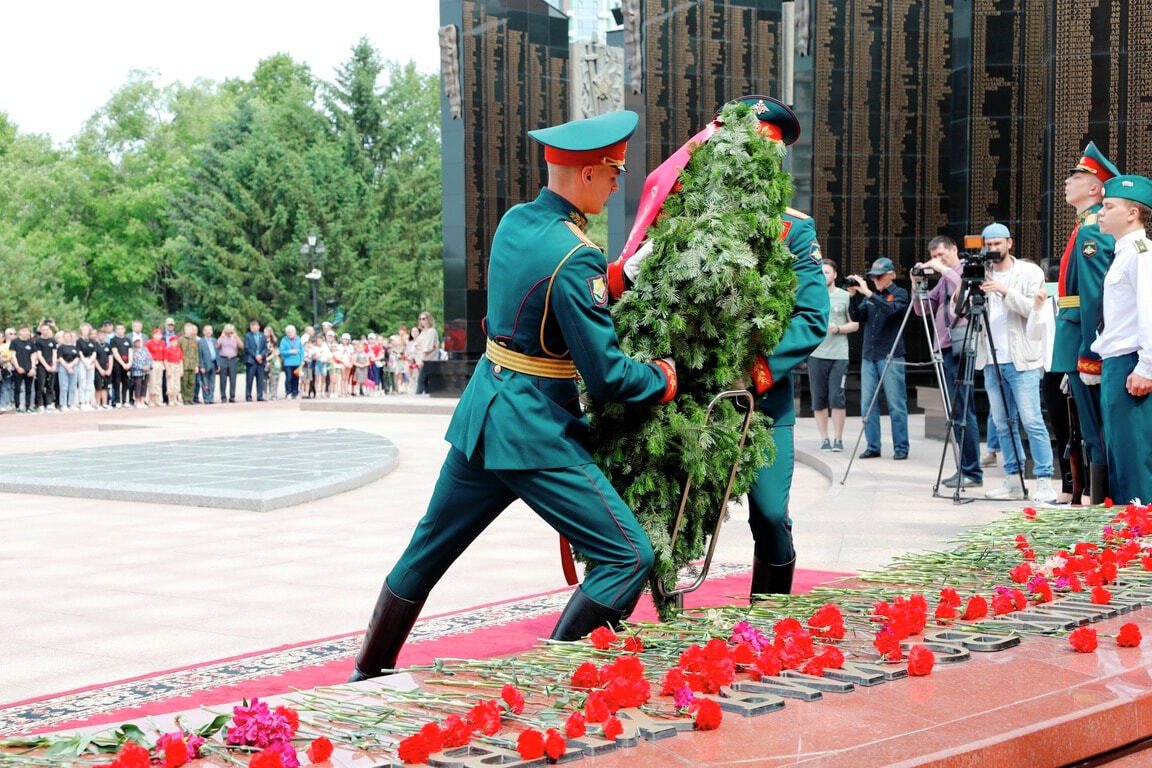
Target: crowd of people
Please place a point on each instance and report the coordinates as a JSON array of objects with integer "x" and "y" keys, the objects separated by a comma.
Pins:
[
  {"x": 47, "y": 368},
  {"x": 1041, "y": 351}
]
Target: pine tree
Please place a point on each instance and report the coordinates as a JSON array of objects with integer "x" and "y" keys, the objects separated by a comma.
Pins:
[{"x": 717, "y": 289}]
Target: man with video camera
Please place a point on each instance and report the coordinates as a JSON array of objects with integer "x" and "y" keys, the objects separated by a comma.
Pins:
[
  {"x": 881, "y": 312},
  {"x": 1010, "y": 285},
  {"x": 950, "y": 334}
]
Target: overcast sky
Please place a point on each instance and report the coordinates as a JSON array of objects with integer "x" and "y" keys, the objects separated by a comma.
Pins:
[{"x": 60, "y": 60}]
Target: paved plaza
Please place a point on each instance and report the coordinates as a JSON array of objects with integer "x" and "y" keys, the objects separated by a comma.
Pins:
[
  {"x": 260, "y": 472},
  {"x": 97, "y": 590}
]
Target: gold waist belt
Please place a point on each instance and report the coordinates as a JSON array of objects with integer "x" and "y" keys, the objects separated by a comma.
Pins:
[
  {"x": 545, "y": 367},
  {"x": 1064, "y": 302}
]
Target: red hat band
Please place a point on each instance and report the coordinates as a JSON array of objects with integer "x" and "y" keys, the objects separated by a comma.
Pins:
[
  {"x": 1088, "y": 165},
  {"x": 613, "y": 154},
  {"x": 770, "y": 131}
]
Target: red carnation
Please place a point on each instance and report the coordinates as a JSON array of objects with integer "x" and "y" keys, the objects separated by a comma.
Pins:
[
  {"x": 612, "y": 728},
  {"x": 977, "y": 608},
  {"x": 485, "y": 717},
  {"x": 1021, "y": 573},
  {"x": 413, "y": 750},
  {"x": 513, "y": 698},
  {"x": 1146, "y": 561},
  {"x": 950, "y": 596},
  {"x": 1030, "y": 513},
  {"x": 1083, "y": 639},
  {"x": 554, "y": 744},
  {"x": 1002, "y": 604},
  {"x": 319, "y": 750},
  {"x": 575, "y": 726},
  {"x": 1021, "y": 541},
  {"x": 708, "y": 715},
  {"x": 1101, "y": 596},
  {"x": 291, "y": 715},
  {"x": 945, "y": 612},
  {"x": 634, "y": 644},
  {"x": 602, "y": 638},
  {"x": 596, "y": 707},
  {"x": 266, "y": 758},
  {"x": 673, "y": 681},
  {"x": 433, "y": 737},
  {"x": 920, "y": 661},
  {"x": 132, "y": 755},
  {"x": 175, "y": 750},
  {"x": 530, "y": 744},
  {"x": 831, "y": 657},
  {"x": 457, "y": 732},
  {"x": 1129, "y": 636},
  {"x": 888, "y": 644},
  {"x": 586, "y": 676},
  {"x": 768, "y": 663},
  {"x": 828, "y": 622},
  {"x": 814, "y": 667}
]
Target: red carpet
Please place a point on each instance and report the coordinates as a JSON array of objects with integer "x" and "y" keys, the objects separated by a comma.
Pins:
[{"x": 497, "y": 632}]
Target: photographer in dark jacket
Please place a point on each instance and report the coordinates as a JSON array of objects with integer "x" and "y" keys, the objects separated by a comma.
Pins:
[{"x": 881, "y": 313}]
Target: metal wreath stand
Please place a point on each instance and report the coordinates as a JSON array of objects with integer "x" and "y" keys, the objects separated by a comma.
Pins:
[{"x": 569, "y": 565}]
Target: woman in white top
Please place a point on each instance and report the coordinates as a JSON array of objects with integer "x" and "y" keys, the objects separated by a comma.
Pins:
[{"x": 427, "y": 348}]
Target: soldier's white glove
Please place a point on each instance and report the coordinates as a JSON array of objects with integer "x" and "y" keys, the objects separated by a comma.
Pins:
[
  {"x": 1065, "y": 385},
  {"x": 1090, "y": 379},
  {"x": 670, "y": 362},
  {"x": 632, "y": 266}
]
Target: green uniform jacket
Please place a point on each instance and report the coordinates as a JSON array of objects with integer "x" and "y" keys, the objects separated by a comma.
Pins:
[
  {"x": 808, "y": 325},
  {"x": 1083, "y": 276},
  {"x": 547, "y": 297}
]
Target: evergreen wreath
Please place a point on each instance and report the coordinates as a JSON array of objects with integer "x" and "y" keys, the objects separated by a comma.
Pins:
[{"x": 718, "y": 288}]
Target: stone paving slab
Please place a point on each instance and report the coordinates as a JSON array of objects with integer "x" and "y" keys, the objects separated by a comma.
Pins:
[
  {"x": 408, "y": 404},
  {"x": 258, "y": 472}
]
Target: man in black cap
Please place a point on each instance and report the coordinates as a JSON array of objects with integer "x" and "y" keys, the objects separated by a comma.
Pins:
[{"x": 881, "y": 311}]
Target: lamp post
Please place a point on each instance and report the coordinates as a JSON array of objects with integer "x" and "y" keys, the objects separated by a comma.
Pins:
[{"x": 312, "y": 254}]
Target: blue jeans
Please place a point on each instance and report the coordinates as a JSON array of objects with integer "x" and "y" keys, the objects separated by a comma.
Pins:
[
  {"x": 1024, "y": 388},
  {"x": 66, "y": 385},
  {"x": 959, "y": 393},
  {"x": 7, "y": 389},
  {"x": 895, "y": 395}
]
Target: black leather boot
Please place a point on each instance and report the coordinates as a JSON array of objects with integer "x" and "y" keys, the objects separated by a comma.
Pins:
[
  {"x": 583, "y": 614},
  {"x": 1098, "y": 479},
  {"x": 768, "y": 579},
  {"x": 392, "y": 620}
]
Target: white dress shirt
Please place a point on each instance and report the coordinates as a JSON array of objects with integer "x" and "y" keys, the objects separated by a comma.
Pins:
[{"x": 1128, "y": 303}]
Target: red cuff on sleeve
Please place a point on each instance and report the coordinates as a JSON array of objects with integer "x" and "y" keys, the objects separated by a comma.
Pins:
[
  {"x": 1086, "y": 365},
  {"x": 669, "y": 379},
  {"x": 616, "y": 283},
  {"x": 761, "y": 375}
]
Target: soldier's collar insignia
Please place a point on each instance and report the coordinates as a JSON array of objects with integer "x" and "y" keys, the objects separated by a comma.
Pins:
[{"x": 580, "y": 219}]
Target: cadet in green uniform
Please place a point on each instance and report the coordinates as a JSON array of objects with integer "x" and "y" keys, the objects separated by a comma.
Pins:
[
  {"x": 774, "y": 557},
  {"x": 1125, "y": 339},
  {"x": 1086, "y": 258},
  {"x": 518, "y": 431}
]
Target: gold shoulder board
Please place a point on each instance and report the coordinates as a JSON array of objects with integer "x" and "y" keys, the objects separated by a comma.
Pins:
[
  {"x": 583, "y": 237},
  {"x": 1142, "y": 245},
  {"x": 1090, "y": 219}
]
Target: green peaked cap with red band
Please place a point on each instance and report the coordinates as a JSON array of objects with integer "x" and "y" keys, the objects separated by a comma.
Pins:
[
  {"x": 775, "y": 113},
  {"x": 1093, "y": 161},
  {"x": 600, "y": 140}
]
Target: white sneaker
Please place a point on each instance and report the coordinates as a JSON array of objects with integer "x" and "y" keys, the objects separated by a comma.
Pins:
[
  {"x": 1008, "y": 489},
  {"x": 1044, "y": 493}
]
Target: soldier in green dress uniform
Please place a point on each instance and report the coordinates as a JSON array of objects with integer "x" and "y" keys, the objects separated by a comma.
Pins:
[
  {"x": 518, "y": 432},
  {"x": 1086, "y": 258},
  {"x": 1124, "y": 339},
  {"x": 774, "y": 559}
]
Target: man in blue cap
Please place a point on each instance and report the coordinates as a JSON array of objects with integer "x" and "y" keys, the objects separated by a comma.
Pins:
[
  {"x": 1086, "y": 258},
  {"x": 518, "y": 431},
  {"x": 1124, "y": 341},
  {"x": 1014, "y": 362},
  {"x": 881, "y": 312}
]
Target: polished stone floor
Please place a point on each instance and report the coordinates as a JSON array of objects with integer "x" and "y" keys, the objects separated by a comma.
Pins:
[{"x": 256, "y": 471}]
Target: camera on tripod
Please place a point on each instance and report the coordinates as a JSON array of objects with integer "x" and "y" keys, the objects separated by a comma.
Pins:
[{"x": 976, "y": 257}]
